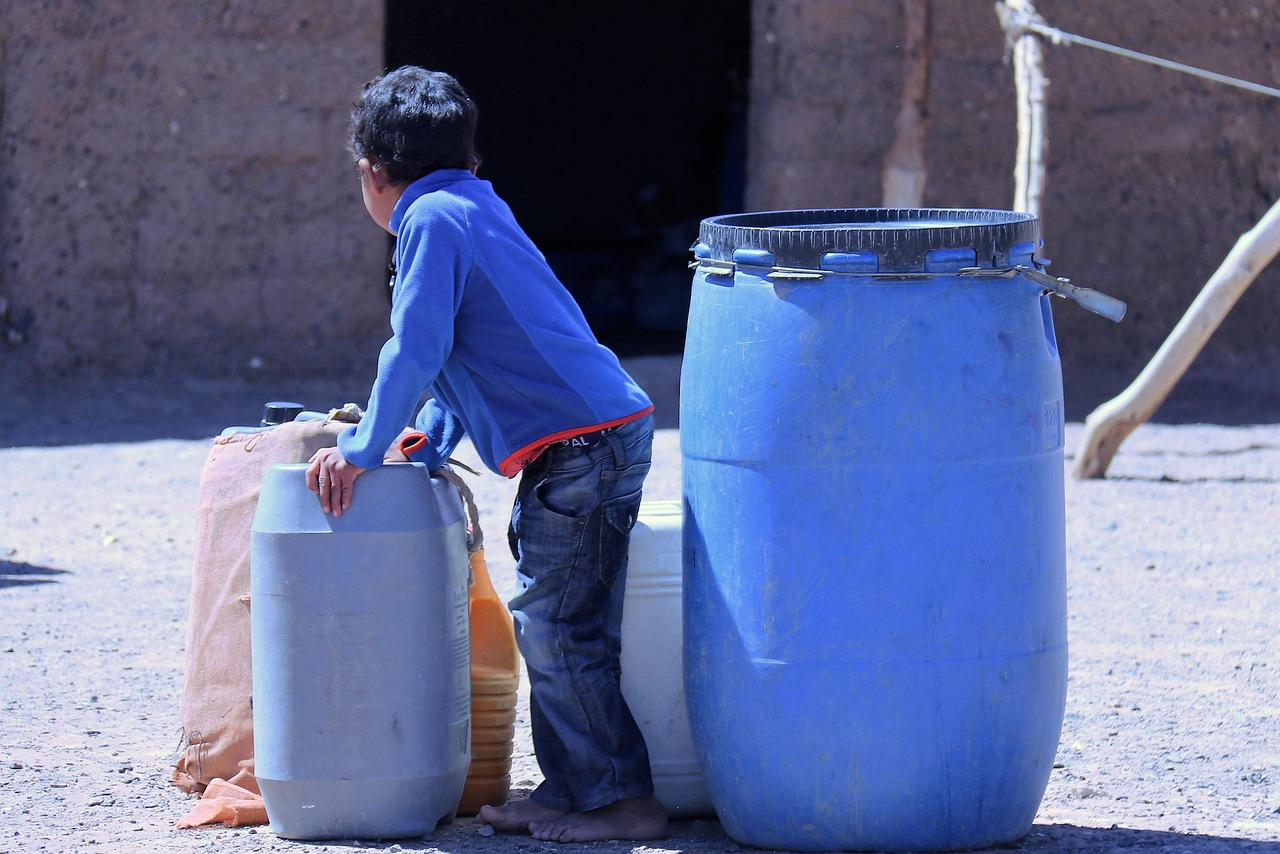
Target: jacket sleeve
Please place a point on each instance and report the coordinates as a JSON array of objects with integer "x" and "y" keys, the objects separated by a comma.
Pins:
[
  {"x": 433, "y": 252},
  {"x": 441, "y": 432}
]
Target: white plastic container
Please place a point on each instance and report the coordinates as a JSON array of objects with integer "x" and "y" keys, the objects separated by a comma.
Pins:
[
  {"x": 361, "y": 675},
  {"x": 652, "y": 659}
]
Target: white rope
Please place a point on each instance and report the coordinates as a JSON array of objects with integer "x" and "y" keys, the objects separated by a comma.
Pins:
[{"x": 1058, "y": 37}]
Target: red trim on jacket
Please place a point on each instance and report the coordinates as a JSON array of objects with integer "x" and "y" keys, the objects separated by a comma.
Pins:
[
  {"x": 412, "y": 442},
  {"x": 513, "y": 464}
]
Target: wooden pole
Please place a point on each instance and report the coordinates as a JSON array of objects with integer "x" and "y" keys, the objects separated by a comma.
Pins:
[
  {"x": 1031, "y": 88},
  {"x": 1108, "y": 425},
  {"x": 905, "y": 169},
  {"x": 1112, "y": 422}
]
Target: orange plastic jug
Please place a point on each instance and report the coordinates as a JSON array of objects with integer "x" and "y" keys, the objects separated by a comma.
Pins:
[{"x": 495, "y": 679}]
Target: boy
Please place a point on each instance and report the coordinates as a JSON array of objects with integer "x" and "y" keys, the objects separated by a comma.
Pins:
[{"x": 481, "y": 323}]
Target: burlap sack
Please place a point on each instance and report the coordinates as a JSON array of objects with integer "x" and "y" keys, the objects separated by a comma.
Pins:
[{"x": 217, "y": 718}]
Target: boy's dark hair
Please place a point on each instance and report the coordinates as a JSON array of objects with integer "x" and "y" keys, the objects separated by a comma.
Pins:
[{"x": 413, "y": 121}]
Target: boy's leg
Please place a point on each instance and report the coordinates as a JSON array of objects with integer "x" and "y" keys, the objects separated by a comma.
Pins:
[{"x": 570, "y": 528}]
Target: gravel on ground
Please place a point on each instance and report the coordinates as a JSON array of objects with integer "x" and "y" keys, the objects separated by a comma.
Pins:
[{"x": 1172, "y": 734}]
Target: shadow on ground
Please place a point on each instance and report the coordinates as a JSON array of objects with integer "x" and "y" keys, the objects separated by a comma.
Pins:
[
  {"x": 137, "y": 410},
  {"x": 1068, "y": 837},
  {"x": 707, "y": 835},
  {"x": 16, "y": 574},
  {"x": 79, "y": 412},
  {"x": 84, "y": 412}
]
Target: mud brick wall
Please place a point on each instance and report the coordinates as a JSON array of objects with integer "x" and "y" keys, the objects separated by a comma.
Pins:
[
  {"x": 175, "y": 193},
  {"x": 1152, "y": 174}
]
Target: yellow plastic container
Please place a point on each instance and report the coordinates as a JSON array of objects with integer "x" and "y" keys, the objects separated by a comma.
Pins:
[{"x": 495, "y": 679}]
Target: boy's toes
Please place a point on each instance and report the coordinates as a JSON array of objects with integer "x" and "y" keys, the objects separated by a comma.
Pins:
[
  {"x": 631, "y": 819},
  {"x": 517, "y": 815}
]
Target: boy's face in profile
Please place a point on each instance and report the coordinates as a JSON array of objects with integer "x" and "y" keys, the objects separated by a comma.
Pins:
[{"x": 380, "y": 195}]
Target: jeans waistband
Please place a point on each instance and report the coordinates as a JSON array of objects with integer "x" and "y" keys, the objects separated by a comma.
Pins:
[{"x": 586, "y": 440}]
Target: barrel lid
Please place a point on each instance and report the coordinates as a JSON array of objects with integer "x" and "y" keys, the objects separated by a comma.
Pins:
[{"x": 902, "y": 238}]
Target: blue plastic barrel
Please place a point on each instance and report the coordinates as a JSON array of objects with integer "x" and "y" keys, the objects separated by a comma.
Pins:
[
  {"x": 874, "y": 549},
  {"x": 361, "y": 665}
]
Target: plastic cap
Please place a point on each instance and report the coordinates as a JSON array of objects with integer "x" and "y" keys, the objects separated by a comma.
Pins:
[{"x": 280, "y": 412}]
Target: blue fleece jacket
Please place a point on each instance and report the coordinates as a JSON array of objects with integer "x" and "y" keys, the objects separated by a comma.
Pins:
[{"x": 480, "y": 322}]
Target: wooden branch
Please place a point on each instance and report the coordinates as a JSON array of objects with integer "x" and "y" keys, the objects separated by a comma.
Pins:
[
  {"x": 905, "y": 169},
  {"x": 1112, "y": 422}
]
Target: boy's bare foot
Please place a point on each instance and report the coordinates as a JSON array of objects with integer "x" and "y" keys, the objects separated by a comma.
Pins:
[
  {"x": 517, "y": 815},
  {"x": 632, "y": 818}
]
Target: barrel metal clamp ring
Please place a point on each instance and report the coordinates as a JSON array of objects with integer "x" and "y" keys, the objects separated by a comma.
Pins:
[{"x": 1097, "y": 302}]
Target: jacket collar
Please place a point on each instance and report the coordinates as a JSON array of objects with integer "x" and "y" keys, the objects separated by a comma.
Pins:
[{"x": 429, "y": 183}]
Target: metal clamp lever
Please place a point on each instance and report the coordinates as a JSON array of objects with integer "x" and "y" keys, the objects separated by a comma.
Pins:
[{"x": 1097, "y": 302}]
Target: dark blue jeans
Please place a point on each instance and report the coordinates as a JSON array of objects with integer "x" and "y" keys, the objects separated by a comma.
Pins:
[{"x": 570, "y": 529}]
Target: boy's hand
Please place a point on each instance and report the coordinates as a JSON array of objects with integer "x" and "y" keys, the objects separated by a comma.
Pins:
[{"x": 333, "y": 478}]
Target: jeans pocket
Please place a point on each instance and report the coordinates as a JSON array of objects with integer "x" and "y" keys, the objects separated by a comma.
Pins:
[
  {"x": 572, "y": 494},
  {"x": 621, "y": 513},
  {"x": 615, "y": 535}
]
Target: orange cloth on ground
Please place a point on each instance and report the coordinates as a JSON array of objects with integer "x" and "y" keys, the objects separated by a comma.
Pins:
[{"x": 235, "y": 802}]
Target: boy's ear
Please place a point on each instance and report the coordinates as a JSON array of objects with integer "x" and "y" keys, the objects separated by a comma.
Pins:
[{"x": 375, "y": 179}]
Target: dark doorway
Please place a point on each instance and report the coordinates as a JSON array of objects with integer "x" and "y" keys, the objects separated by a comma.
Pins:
[{"x": 610, "y": 128}]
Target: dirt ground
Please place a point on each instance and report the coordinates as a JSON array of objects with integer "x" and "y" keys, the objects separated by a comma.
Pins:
[{"x": 1172, "y": 733}]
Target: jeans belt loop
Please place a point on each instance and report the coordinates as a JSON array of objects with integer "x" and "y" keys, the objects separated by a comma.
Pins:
[{"x": 615, "y": 444}]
